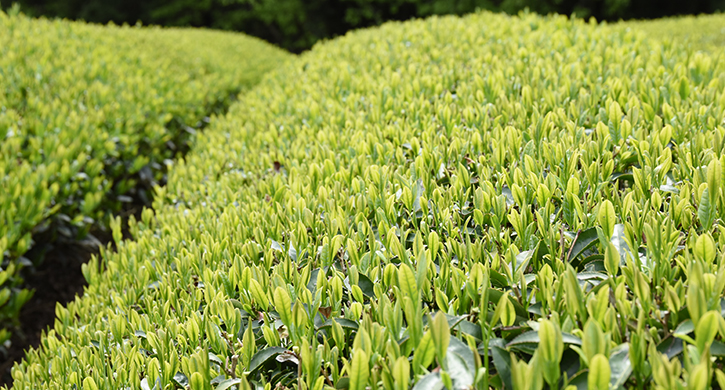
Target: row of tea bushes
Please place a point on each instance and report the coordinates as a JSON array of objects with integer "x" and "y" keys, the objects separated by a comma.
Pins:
[
  {"x": 89, "y": 113},
  {"x": 487, "y": 201},
  {"x": 704, "y": 32}
]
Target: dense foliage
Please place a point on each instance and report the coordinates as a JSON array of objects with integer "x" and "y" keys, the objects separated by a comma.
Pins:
[
  {"x": 701, "y": 33},
  {"x": 514, "y": 202},
  {"x": 88, "y": 114},
  {"x": 298, "y": 24}
]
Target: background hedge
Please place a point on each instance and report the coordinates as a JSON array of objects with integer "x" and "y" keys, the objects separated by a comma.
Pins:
[
  {"x": 88, "y": 116},
  {"x": 297, "y": 24}
]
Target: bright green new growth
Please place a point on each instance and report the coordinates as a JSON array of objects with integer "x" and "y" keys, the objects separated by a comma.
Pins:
[
  {"x": 704, "y": 32},
  {"x": 88, "y": 113},
  {"x": 316, "y": 232}
]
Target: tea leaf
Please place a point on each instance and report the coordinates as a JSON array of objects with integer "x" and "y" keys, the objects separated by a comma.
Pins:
[
  {"x": 262, "y": 357},
  {"x": 607, "y": 218},
  {"x": 620, "y": 366},
  {"x": 359, "y": 371},
  {"x": 583, "y": 240},
  {"x": 408, "y": 285},
  {"x": 441, "y": 335},
  {"x": 706, "y": 211},
  {"x": 283, "y": 305},
  {"x": 502, "y": 362},
  {"x": 705, "y": 249},
  {"x": 401, "y": 373},
  {"x": 599, "y": 373},
  {"x": 707, "y": 328},
  {"x": 227, "y": 383}
]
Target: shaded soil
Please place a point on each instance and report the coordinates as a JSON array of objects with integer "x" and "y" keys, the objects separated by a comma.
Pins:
[{"x": 58, "y": 279}]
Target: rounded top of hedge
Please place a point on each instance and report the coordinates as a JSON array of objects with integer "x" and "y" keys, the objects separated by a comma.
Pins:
[
  {"x": 83, "y": 107},
  {"x": 478, "y": 201}
]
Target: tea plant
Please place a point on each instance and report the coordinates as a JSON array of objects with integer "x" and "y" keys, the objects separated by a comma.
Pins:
[
  {"x": 704, "y": 32},
  {"x": 487, "y": 202},
  {"x": 88, "y": 114}
]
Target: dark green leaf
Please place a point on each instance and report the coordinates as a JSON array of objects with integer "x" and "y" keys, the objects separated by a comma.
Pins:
[
  {"x": 431, "y": 381},
  {"x": 595, "y": 266},
  {"x": 312, "y": 284},
  {"x": 495, "y": 295},
  {"x": 495, "y": 382},
  {"x": 717, "y": 348},
  {"x": 215, "y": 359},
  {"x": 628, "y": 176},
  {"x": 582, "y": 241},
  {"x": 537, "y": 259},
  {"x": 228, "y": 383},
  {"x": 461, "y": 365},
  {"x": 509, "y": 196},
  {"x": 262, "y": 357},
  {"x": 366, "y": 285},
  {"x": 535, "y": 309},
  {"x": 457, "y": 347},
  {"x": 471, "y": 329},
  {"x": 502, "y": 362},
  {"x": 570, "y": 362},
  {"x": 236, "y": 304},
  {"x": 620, "y": 365},
  {"x": 498, "y": 280},
  {"x": 590, "y": 259},
  {"x": 452, "y": 320},
  {"x": 522, "y": 260},
  {"x": 532, "y": 337},
  {"x": 686, "y": 327},
  {"x": 671, "y": 346},
  {"x": 591, "y": 276},
  {"x": 343, "y": 383},
  {"x": 180, "y": 380},
  {"x": 579, "y": 380},
  {"x": 670, "y": 189},
  {"x": 344, "y": 322}
]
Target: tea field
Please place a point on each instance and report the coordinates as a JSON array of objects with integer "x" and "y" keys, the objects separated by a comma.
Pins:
[
  {"x": 482, "y": 202},
  {"x": 699, "y": 33}
]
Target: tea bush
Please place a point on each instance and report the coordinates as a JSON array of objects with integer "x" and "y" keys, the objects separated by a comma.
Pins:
[
  {"x": 704, "y": 32},
  {"x": 88, "y": 114},
  {"x": 488, "y": 201}
]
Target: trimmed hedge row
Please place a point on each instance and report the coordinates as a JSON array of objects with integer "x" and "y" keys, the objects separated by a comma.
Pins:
[
  {"x": 488, "y": 201},
  {"x": 88, "y": 114},
  {"x": 704, "y": 32}
]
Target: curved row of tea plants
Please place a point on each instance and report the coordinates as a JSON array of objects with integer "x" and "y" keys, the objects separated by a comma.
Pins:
[
  {"x": 87, "y": 112},
  {"x": 488, "y": 201},
  {"x": 704, "y": 32}
]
